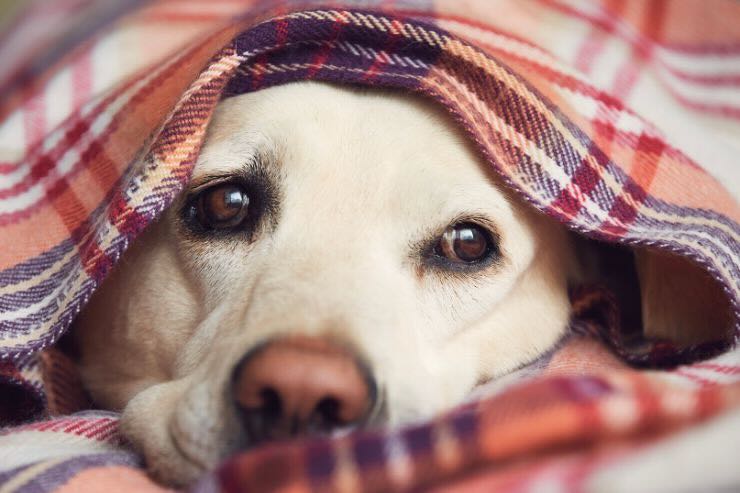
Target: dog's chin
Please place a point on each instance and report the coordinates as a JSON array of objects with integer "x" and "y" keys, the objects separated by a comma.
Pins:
[
  {"x": 176, "y": 452},
  {"x": 185, "y": 443},
  {"x": 168, "y": 460},
  {"x": 180, "y": 467}
]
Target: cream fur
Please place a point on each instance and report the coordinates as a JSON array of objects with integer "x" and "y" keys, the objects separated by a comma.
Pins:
[{"x": 363, "y": 176}]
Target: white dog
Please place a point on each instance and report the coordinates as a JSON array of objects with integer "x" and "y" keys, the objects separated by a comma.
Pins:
[{"x": 341, "y": 258}]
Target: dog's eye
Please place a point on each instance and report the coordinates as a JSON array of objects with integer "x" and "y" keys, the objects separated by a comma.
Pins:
[
  {"x": 465, "y": 243},
  {"x": 221, "y": 207}
]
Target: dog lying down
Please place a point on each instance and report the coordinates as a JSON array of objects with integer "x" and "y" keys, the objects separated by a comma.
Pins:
[{"x": 321, "y": 271}]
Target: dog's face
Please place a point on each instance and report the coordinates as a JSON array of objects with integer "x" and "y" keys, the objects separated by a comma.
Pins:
[{"x": 340, "y": 258}]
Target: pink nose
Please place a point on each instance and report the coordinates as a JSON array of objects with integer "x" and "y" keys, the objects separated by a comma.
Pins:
[{"x": 300, "y": 385}]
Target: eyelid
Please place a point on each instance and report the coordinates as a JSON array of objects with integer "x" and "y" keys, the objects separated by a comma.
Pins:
[
  {"x": 475, "y": 218},
  {"x": 206, "y": 182}
]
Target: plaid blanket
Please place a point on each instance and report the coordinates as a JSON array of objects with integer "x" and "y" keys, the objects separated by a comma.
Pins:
[{"x": 619, "y": 118}]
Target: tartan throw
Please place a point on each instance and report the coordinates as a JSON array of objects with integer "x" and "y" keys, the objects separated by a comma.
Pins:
[{"x": 620, "y": 119}]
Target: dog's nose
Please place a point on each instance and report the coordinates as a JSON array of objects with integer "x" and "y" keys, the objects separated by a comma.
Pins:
[{"x": 300, "y": 385}]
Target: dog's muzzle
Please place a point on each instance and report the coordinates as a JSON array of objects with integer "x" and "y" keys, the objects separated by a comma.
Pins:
[{"x": 299, "y": 385}]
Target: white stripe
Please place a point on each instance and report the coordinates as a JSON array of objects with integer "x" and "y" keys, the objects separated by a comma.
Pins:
[
  {"x": 722, "y": 95},
  {"x": 58, "y": 97},
  {"x": 400, "y": 466},
  {"x": 26, "y": 447},
  {"x": 63, "y": 286},
  {"x": 12, "y": 139},
  {"x": 607, "y": 67},
  {"x": 700, "y": 63}
]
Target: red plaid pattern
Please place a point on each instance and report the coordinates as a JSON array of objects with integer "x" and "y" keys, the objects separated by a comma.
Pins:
[{"x": 617, "y": 118}]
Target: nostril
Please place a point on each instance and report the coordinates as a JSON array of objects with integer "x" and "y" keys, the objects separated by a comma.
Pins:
[
  {"x": 262, "y": 414},
  {"x": 327, "y": 414},
  {"x": 271, "y": 406}
]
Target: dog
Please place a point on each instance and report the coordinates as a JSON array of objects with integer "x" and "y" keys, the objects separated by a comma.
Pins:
[{"x": 341, "y": 258}]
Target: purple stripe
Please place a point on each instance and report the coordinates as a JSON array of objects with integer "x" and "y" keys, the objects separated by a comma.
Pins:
[
  {"x": 29, "y": 323},
  {"x": 36, "y": 265},
  {"x": 464, "y": 426},
  {"x": 304, "y": 45},
  {"x": 418, "y": 440},
  {"x": 56, "y": 476},
  {"x": 27, "y": 362},
  {"x": 517, "y": 112},
  {"x": 370, "y": 450},
  {"x": 37, "y": 292},
  {"x": 691, "y": 212}
]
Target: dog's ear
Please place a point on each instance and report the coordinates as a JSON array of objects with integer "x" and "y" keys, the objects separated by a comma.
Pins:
[{"x": 680, "y": 301}]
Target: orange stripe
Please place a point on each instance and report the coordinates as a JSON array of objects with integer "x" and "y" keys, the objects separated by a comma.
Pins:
[
  {"x": 111, "y": 479},
  {"x": 644, "y": 167}
]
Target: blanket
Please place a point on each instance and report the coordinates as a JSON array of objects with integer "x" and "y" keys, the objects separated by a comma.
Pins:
[{"x": 621, "y": 119}]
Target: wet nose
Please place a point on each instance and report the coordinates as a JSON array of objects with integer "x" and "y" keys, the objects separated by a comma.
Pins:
[{"x": 299, "y": 385}]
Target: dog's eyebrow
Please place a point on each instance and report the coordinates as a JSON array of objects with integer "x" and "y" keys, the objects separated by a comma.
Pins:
[
  {"x": 260, "y": 169},
  {"x": 263, "y": 164}
]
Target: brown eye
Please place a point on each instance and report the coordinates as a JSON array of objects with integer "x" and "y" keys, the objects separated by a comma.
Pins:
[
  {"x": 222, "y": 206},
  {"x": 465, "y": 243}
]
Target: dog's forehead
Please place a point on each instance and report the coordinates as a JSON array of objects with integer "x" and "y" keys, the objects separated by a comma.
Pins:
[{"x": 332, "y": 145}]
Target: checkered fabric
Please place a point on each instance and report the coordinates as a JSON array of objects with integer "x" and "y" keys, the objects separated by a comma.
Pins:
[{"x": 619, "y": 118}]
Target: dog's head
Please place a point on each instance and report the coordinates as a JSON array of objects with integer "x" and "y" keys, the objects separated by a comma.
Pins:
[{"x": 340, "y": 258}]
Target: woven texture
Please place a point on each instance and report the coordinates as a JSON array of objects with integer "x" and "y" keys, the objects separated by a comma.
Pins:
[{"x": 620, "y": 119}]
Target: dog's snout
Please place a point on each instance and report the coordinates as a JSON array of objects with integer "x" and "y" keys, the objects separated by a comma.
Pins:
[{"x": 299, "y": 385}]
